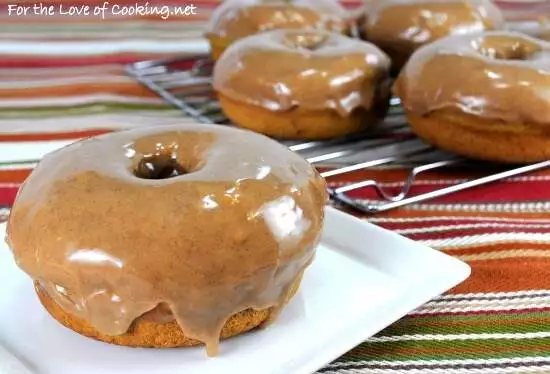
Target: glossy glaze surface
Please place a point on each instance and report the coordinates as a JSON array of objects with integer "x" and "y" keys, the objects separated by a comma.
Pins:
[
  {"x": 235, "y": 19},
  {"x": 499, "y": 75},
  {"x": 283, "y": 69},
  {"x": 405, "y": 25},
  {"x": 227, "y": 222}
]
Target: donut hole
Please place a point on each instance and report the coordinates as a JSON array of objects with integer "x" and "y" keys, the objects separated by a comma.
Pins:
[
  {"x": 513, "y": 53},
  {"x": 305, "y": 40},
  {"x": 504, "y": 48},
  {"x": 160, "y": 166}
]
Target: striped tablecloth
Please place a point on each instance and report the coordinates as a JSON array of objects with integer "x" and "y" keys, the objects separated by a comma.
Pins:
[{"x": 61, "y": 79}]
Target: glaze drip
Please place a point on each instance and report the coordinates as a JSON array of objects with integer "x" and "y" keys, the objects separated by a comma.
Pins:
[
  {"x": 283, "y": 69},
  {"x": 400, "y": 27},
  {"x": 497, "y": 75},
  {"x": 236, "y": 19}
]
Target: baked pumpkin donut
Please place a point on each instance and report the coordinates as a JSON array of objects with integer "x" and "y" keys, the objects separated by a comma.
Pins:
[
  {"x": 168, "y": 237},
  {"x": 400, "y": 27},
  {"x": 481, "y": 96},
  {"x": 297, "y": 84},
  {"x": 236, "y": 19}
]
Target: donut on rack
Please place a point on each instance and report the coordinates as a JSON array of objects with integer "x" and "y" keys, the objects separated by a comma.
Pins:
[
  {"x": 169, "y": 236},
  {"x": 484, "y": 96},
  {"x": 303, "y": 84},
  {"x": 236, "y": 19},
  {"x": 399, "y": 27}
]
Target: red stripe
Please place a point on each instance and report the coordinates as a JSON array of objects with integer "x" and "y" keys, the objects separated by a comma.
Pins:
[
  {"x": 453, "y": 222},
  {"x": 493, "y": 193},
  {"x": 500, "y": 192},
  {"x": 7, "y": 195},
  {"x": 471, "y": 232}
]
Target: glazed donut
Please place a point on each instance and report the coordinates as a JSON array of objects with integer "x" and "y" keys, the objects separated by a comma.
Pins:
[
  {"x": 481, "y": 96},
  {"x": 236, "y": 19},
  {"x": 399, "y": 27},
  {"x": 303, "y": 84},
  {"x": 167, "y": 236}
]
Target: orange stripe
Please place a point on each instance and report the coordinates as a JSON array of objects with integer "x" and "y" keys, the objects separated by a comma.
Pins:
[
  {"x": 497, "y": 247},
  {"x": 14, "y": 176},
  {"x": 507, "y": 275},
  {"x": 122, "y": 88},
  {"x": 414, "y": 322}
]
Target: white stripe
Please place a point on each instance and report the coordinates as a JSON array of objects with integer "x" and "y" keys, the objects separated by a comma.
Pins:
[
  {"x": 481, "y": 308},
  {"x": 112, "y": 121},
  {"x": 198, "y": 46},
  {"x": 489, "y": 361},
  {"x": 64, "y": 81},
  {"x": 468, "y": 241},
  {"x": 17, "y": 166},
  {"x": 16, "y": 151},
  {"x": 539, "y": 207},
  {"x": 60, "y": 71},
  {"x": 498, "y": 255},
  {"x": 450, "y": 337},
  {"x": 538, "y": 300},
  {"x": 453, "y": 218},
  {"x": 11, "y": 152},
  {"x": 514, "y": 370},
  {"x": 9, "y": 185},
  {"x": 52, "y": 37},
  {"x": 78, "y": 100},
  {"x": 470, "y": 226},
  {"x": 126, "y": 27},
  {"x": 494, "y": 294}
]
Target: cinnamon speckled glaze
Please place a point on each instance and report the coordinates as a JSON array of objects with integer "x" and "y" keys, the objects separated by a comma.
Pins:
[
  {"x": 497, "y": 75},
  {"x": 399, "y": 27},
  {"x": 204, "y": 220},
  {"x": 484, "y": 96},
  {"x": 235, "y": 19},
  {"x": 283, "y": 69}
]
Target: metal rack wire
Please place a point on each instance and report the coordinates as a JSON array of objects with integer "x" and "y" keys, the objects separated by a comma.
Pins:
[{"x": 186, "y": 84}]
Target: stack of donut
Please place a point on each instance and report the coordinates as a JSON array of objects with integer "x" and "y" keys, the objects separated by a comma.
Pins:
[{"x": 291, "y": 70}]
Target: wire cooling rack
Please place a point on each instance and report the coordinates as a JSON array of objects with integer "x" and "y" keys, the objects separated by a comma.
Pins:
[{"x": 186, "y": 84}]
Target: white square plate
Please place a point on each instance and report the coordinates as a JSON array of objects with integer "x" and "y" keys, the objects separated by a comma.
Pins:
[{"x": 363, "y": 279}]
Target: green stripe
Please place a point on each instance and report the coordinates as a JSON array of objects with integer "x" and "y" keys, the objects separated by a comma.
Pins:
[
  {"x": 472, "y": 317},
  {"x": 77, "y": 110},
  {"x": 4, "y": 164},
  {"x": 480, "y": 349},
  {"x": 484, "y": 324}
]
